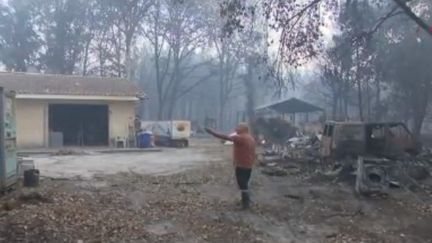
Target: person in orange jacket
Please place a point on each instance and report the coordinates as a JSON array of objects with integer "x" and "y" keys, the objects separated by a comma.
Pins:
[{"x": 243, "y": 157}]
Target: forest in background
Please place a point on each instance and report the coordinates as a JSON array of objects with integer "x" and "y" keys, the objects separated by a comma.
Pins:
[{"x": 359, "y": 59}]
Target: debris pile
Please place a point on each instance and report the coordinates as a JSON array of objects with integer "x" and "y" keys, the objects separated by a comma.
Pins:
[
  {"x": 368, "y": 173},
  {"x": 275, "y": 130}
]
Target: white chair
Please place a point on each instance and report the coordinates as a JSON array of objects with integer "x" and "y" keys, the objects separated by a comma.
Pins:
[{"x": 121, "y": 142}]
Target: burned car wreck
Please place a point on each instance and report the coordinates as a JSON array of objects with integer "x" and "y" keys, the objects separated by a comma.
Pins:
[
  {"x": 352, "y": 139},
  {"x": 379, "y": 153}
]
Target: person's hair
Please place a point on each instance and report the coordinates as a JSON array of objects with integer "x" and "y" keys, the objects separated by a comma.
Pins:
[{"x": 244, "y": 126}]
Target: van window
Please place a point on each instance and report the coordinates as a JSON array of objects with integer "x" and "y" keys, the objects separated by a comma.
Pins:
[
  {"x": 330, "y": 130},
  {"x": 398, "y": 131},
  {"x": 352, "y": 132},
  {"x": 378, "y": 132}
]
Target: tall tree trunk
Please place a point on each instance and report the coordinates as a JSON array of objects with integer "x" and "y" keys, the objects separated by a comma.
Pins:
[
  {"x": 128, "y": 61},
  {"x": 160, "y": 113},
  {"x": 157, "y": 56},
  {"x": 418, "y": 124},
  {"x": 171, "y": 105},
  {"x": 222, "y": 99},
  {"x": 360, "y": 99},
  {"x": 359, "y": 87},
  {"x": 250, "y": 93},
  {"x": 378, "y": 109},
  {"x": 419, "y": 116},
  {"x": 346, "y": 106},
  {"x": 118, "y": 55},
  {"x": 86, "y": 54},
  {"x": 101, "y": 62},
  {"x": 368, "y": 101},
  {"x": 334, "y": 106},
  {"x": 174, "y": 94},
  {"x": 222, "y": 116},
  {"x": 420, "y": 108}
]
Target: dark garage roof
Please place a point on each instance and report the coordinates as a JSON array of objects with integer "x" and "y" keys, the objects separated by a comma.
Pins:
[
  {"x": 52, "y": 84},
  {"x": 291, "y": 106}
]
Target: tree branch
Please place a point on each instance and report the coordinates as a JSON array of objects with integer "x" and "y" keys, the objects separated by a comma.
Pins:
[
  {"x": 188, "y": 70},
  {"x": 302, "y": 11},
  {"x": 383, "y": 19},
  {"x": 191, "y": 87},
  {"x": 420, "y": 22}
]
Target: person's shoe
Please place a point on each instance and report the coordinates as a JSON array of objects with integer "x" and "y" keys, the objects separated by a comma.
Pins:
[{"x": 245, "y": 200}]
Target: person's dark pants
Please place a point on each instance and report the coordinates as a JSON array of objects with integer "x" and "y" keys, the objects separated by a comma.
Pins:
[{"x": 243, "y": 175}]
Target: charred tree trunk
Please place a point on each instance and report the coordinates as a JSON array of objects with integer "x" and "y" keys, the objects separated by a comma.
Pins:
[
  {"x": 335, "y": 102},
  {"x": 345, "y": 112},
  {"x": 420, "y": 110},
  {"x": 359, "y": 87},
  {"x": 368, "y": 102},
  {"x": 378, "y": 108},
  {"x": 250, "y": 93},
  {"x": 418, "y": 124}
]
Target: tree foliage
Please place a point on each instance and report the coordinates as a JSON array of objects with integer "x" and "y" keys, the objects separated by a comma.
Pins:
[
  {"x": 225, "y": 53},
  {"x": 19, "y": 40}
]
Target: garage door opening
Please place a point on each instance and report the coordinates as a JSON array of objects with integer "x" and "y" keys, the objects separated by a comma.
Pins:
[{"x": 80, "y": 125}]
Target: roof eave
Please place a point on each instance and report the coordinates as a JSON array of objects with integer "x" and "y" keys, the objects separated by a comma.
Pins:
[{"x": 76, "y": 97}]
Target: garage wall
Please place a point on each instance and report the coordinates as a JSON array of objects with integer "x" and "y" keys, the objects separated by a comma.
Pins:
[
  {"x": 121, "y": 119},
  {"x": 31, "y": 123},
  {"x": 32, "y": 120}
]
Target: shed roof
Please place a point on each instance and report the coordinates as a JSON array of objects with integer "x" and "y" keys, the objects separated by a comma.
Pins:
[
  {"x": 53, "y": 84},
  {"x": 290, "y": 106}
]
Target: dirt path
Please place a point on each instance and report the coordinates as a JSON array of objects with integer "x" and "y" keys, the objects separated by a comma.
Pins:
[
  {"x": 87, "y": 165},
  {"x": 199, "y": 205}
]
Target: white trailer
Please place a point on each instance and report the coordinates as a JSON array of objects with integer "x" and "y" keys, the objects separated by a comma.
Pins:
[{"x": 169, "y": 133}]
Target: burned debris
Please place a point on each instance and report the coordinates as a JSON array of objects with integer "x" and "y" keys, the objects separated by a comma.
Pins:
[
  {"x": 373, "y": 157},
  {"x": 373, "y": 175},
  {"x": 345, "y": 139}
]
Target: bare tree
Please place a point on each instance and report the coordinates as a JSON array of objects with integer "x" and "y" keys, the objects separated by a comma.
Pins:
[
  {"x": 161, "y": 51},
  {"x": 63, "y": 27},
  {"x": 410, "y": 76},
  {"x": 127, "y": 17},
  {"x": 176, "y": 31},
  {"x": 228, "y": 66},
  {"x": 419, "y": 21}
]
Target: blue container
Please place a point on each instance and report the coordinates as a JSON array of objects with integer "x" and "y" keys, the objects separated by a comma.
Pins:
[{"x": 144, "y": 140}]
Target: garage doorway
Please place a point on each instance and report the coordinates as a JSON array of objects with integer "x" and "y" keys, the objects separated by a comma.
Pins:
[{"x": 80, "y": 125}]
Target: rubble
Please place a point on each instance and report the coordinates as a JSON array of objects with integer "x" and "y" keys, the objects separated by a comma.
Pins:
[
  {"x": 418, "y": 173},
  {"x": 275, "y": 171},
  {"x": 372, "y": 174},
  {"x": 275, "y": 130}
]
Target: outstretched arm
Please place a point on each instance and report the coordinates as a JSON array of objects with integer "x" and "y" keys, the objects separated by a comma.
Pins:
[{"x": 218, "y": 135}]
